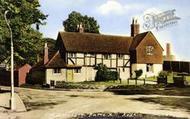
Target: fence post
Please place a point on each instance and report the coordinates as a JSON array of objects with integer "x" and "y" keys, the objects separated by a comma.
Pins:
[
  {"x": 145, "y": 79},
  {"x": 135, "y": 81}
]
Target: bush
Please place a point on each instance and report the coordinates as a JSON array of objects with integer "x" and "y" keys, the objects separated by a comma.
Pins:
[
  {"x": 179, "y": 81},
  {"x": 162, "y": 80},
  {"x": 104, "y": 74},
  {"x": 138, "y": 73},
  {"x": 163, "y": 74}
]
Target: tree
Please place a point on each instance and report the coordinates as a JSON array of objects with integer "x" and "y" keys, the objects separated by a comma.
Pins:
[
  {"x": 138, "y": 73},
  {"x": 27, "y": 41},
  {"x": 75, "y": 18}
]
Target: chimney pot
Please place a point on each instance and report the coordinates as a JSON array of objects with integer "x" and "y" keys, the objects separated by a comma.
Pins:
[{"x": 135, "y": 28}]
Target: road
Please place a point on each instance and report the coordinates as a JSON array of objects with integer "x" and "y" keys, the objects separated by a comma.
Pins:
[{"x": 47, "y": 104}]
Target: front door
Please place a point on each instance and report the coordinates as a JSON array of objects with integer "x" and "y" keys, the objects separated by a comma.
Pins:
[{"x": 69, "y": 75}]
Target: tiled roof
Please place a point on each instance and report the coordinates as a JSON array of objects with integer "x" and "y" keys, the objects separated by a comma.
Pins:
[{"x": 95, "y": 43}]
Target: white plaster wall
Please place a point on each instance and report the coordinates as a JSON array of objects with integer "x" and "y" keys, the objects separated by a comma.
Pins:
[
  {"x": 98, "y": 55},
  {"x": 113, "y": 56},
  {"x": 98, "y": 61},
  {"x": 80, "y": 55},
  {"x": 92, "y": 61},
  {"x": 87, "y": 61},
  {"x": 120, "y": 62},
  {"x": 87, "y": 74},
  {"x": 70, "y": 61},
  {"x": 114, "y": 63},
  {"x": 126, "y": 57},
  {"x": 55, "y": 76},
  {"x": 106, "y": 62},
  {"x": 80, "y": 62},
  {"x": 156, "y": 69},
  {"x": 78, "y": 77},
  {"x": 124, "y": 74}
]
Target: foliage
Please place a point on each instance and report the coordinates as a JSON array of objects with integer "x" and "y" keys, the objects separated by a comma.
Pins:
[
  {"x": 22, "y": 14},
  {"x": 138, "y": 73},
  {"x": 36, "y": 77},
  {"x": 75, "y": 18},
  {"x": 104, "y": 74},
  {"x": 163, "y": 74}
]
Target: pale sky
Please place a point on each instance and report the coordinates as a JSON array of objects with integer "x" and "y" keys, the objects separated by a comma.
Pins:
[{"x": 114, "y": 18}]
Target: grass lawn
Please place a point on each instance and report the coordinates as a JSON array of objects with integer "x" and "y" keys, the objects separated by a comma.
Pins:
[
  {"x": 183, "y": 103},
  {"x": 149, "y": 90},
  {"x": 170, "y": 77}
]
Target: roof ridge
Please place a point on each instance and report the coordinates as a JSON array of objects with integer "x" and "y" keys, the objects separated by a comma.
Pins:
[{"x": 96, "y": 34}]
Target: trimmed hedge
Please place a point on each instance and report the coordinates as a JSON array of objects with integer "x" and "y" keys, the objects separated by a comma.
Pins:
[{"x": 105, "y": 74}]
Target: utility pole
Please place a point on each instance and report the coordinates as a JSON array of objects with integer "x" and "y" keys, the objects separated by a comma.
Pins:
[{"x": 12, "y": 98}]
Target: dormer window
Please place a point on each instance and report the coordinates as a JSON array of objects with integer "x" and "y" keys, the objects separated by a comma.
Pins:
[{"x": 149, "y": 50}]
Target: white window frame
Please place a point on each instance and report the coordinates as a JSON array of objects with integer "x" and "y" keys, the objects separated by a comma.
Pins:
[
  {"x": 77, "y": 70},
  {"x": 71, "y": 55},
  {"x": 57, "y": 71},
  {"x": 149, "y": 50},
  {"x": 149, "y": 68}
]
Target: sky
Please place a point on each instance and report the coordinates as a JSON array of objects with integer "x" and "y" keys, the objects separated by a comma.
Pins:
[{"x": 115, "y": 17}]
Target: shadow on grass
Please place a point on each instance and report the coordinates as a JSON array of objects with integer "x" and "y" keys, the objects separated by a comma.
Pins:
[
  {"x": 149, "y": 90},
  {"x": 183, "y": 103}
]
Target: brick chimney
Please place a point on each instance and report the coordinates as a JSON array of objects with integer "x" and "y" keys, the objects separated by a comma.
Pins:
[
  {"x": 135, "y": 28},
  {"x": 46, "y": 58},
  {"x": 168, "y": 50}
]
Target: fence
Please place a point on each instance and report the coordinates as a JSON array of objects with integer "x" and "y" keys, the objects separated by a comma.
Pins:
[
  {"x": 176, "y": 66},
  {"x": 5, "y": 78}
]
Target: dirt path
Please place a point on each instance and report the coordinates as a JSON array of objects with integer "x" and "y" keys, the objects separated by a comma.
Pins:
[{"x": 65, "y": 104}]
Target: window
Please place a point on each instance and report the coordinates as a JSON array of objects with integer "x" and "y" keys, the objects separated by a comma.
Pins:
[
  {"x": 149, "y": 68},
  {"x": 77, "y": 70},
  {"x": 71, "y": 54},
  {"x": 57, "y": 71},
  {"x": 120, "y": 56},
  {"x": 107, "y": 56},
  {"x": 149, "y": 50}
]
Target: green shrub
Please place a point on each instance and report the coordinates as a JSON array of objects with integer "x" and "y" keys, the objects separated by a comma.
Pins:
[
  {"x": 104, "y": 74},
  {"x": 163, "y": 74},
  {"x": 138, "y": 73}
]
